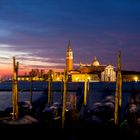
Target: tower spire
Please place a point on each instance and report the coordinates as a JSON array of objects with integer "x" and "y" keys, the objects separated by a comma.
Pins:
[
  {"x": 69, "y": 45},
  {"x": 95, "y": 58},
  {"x": 69, "y": 57}
]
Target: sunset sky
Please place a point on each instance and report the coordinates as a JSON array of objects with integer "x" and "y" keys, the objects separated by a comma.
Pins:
[{"x": 37, "y": 32}]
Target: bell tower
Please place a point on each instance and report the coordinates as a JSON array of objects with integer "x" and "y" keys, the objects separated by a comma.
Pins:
[{"x": 69, "y": 58}]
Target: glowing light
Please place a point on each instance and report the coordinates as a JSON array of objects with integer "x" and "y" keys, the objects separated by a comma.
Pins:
[
  {"x": 77, "y": 78},
  {"x": 88, "y": 78},
  {"x": 136, "y": 79}
]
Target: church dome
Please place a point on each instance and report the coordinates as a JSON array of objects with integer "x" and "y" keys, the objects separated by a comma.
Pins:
[{"x": 95, "y": 62}]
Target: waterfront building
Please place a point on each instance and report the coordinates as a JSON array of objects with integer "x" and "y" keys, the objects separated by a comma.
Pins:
[
  {"x": 28, "y": 78},
  {"x": 35, "y": 74},
  {"x": 97, "y": 72},
  {"x": 130, "y": 76},
  {"x": 93, "y": 72}
]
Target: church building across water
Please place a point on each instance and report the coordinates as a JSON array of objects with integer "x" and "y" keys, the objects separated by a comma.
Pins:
[{"x": 92, "y": 72}]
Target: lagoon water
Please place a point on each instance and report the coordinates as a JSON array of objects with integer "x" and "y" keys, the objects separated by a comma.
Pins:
[{"x": 96, "y": 93}]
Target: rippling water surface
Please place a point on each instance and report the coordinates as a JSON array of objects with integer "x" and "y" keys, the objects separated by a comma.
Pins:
[{"x": 96, "y": 93}]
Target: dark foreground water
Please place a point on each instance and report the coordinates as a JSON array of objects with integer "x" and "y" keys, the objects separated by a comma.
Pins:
[{"x": 97, "y": 91}]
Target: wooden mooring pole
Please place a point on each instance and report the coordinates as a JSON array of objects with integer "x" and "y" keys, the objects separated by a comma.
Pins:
[
  {"x": 15, "y": 90},
  {"x": 85, "y": 93},
  {"x": 88, "y": 86},
  {"x": 49, "y": 87},
  {"x": 118, "y": 95},
  {"x": 31, "y": 89},
  {"x": 64, "y": 98}
]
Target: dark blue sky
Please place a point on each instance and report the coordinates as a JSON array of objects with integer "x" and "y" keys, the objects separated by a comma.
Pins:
[{"x": 37, "y": 31}]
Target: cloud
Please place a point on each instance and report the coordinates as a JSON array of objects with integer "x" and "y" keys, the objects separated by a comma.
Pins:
[{"x": 37, "y": 32}]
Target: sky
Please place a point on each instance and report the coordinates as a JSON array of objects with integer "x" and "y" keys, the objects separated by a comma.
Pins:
[{"x": 37, "y": 32}]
